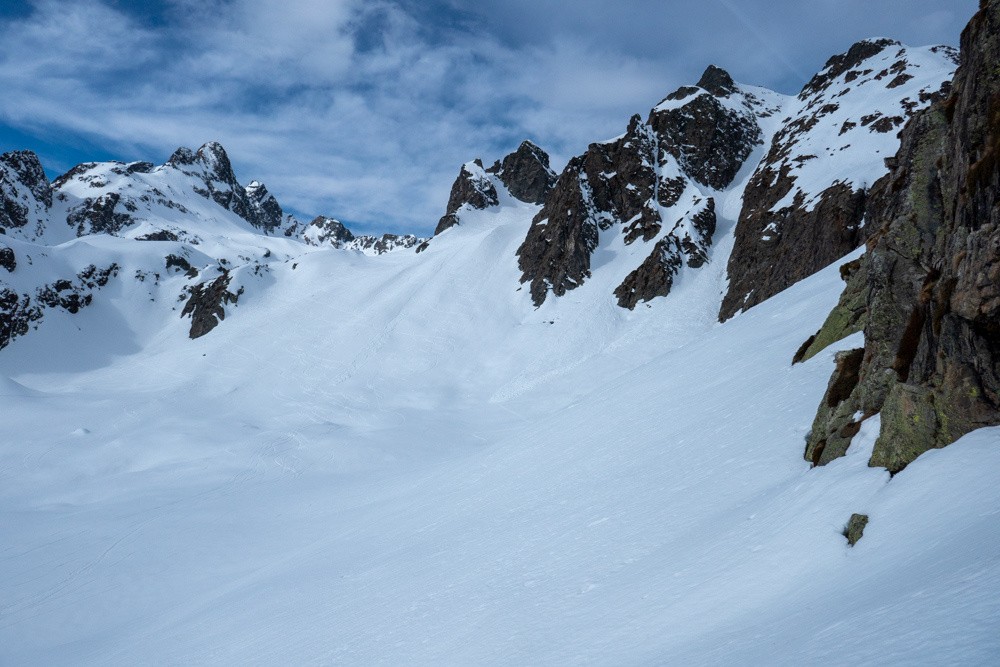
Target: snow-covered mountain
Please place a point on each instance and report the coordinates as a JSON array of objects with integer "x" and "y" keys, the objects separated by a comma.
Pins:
[{"x": 234, "y": 437}]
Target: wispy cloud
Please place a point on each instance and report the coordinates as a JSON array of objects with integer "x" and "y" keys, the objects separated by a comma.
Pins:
[{"x": 364, "y": 109}]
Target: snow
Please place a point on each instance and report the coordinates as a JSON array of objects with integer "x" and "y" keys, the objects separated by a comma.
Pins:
[{"x": 398, "y": 460}]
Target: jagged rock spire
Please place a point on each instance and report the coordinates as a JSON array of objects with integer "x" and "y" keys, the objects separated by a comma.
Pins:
[
  {"x": 526, "y": 173},
  {"x": 717, "y": 81},
  {"x": 473, "y": 188}
]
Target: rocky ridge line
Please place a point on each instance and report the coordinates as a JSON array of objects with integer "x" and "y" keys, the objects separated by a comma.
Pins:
[{"x": 653, "y": 184}]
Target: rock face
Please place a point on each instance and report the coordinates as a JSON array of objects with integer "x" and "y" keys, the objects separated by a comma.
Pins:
[
  {"x": 855, "y": 528},
  {"x": 804, "y": 207},
  {"x": 205, "y": 304},
  {"x": 472, "y": 188},
  {"x": 25, "y": 193},
  {"x": 327, "y": 231},
  {"x": 650, "y": 185},
  {"x": 17, "y": 313},
  {"x": 266, "y": 210},
  {"x": 7, "y": 259},
  {"x": 106, "y": 214},
  {"x": 713, "y": 133},
  {"x": 932, "y": 274},
  {"x": 526, "y": 173},
  {"x": 655, "y": 276}
]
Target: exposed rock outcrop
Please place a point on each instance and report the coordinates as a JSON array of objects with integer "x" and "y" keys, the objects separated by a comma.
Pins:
[
  {"x": 267, "y": 213},
  {"x": 655, "y": 276},
  {"x": 180, "y": 263},
  {"x": 472, "y": 188},
  {"x": 932, "y": 271},
  {"x": 526, "y": 173},
  {"x": 106, "y": 214},
  {"x": 327, "y": 231},
  {"x": 7, "y": 259},
  {"x": 205, "y": 304},
  {"x": 804, "y": 207},
  {"x": 855, "y": 528},
  {"x": 713, "y": 133},
  {"x": 612, "y": 182},
  {"x": 379, "y": 245},
  {"x": 847, "y": 317},
  {"x": 159, "y": 235},
  {"x": 25, "y": 193},
  {"x": 650, "y": 181}
]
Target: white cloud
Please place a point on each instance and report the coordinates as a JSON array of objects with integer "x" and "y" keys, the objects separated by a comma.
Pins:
[{"x": 364, "y": 109}]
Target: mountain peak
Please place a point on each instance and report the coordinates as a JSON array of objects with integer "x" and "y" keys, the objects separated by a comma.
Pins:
[
  {"x": 182, "y": 156},
  {"x": 717, "y": 81},
  {"x": 212, "y": 152},
  {"x": 526, "y": 173}
]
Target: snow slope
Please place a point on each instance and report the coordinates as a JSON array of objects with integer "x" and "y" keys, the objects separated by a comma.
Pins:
[{"x": 397, "y": 460}]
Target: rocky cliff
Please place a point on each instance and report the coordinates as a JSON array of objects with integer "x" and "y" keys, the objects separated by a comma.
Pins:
[
  {"x": 804, "y": 207},
  {"x": 652, "y": 185},
  {"x": 927, "y": 292},
  {"x": 524, "y": 175},
  {"x": 25, "y": 194},
  {"x": 473, "y": 188}
]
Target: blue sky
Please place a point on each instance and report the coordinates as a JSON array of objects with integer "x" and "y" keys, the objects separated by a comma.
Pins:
[{"x": 365, "y": 109}]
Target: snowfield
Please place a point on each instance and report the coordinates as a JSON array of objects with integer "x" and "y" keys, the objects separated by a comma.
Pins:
[{"x": 397, "y": 460}]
